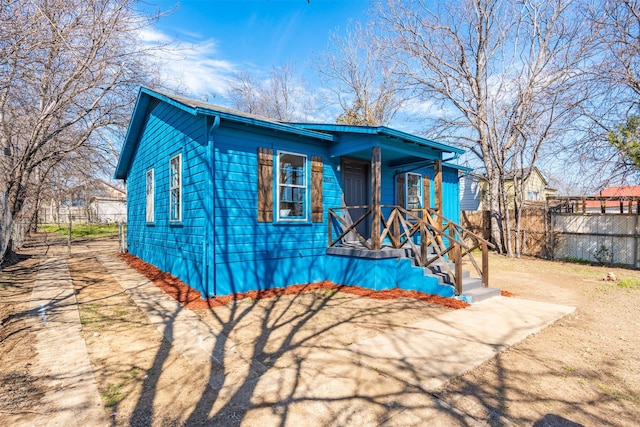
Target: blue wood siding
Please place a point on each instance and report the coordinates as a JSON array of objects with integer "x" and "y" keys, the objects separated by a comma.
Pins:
[
  {"x": 175, "y": 248},
  {"x": 451, "y": 194},
  {"x": 251, "y": 255}
]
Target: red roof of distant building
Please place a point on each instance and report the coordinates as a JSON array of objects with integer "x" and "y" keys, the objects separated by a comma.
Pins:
[
  {"x": 614, "y": 192},
  {"x": 621, "y": 191}
]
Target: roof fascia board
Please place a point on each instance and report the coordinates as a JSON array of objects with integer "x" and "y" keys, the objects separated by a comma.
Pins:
[
  {"x": 133, "y": 132},
  {"x": 171, "y": 101},
  {"x": 322, "y": 127},
  {"x": 278, "y": 127},
  {"x": 241, "y": 119},
  {"x": 458, "y": 167},
  {"x": 419, "y": 140},
  {"x": 380, "y": 130}
]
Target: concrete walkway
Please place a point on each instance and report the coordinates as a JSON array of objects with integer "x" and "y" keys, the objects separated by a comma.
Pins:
[
  {"x": 63, "y": 363},
  {"x": 430, "y": 353},
  {"x": 425, "y": 355}
]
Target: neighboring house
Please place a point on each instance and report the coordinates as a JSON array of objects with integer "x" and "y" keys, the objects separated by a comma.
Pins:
[
  {"x": 108, "y": 205},
  {"x": 230, "y": 202},
  {"x": 535, "y": 188},
  {"x": 95, "y": 201},
  {"x": 474, "y": 189}
]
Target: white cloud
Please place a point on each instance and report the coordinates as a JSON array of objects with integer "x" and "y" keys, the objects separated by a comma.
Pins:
[
  {"x": 418, "y": 109},
  {"x": 153, "y": 36},
  {"x": 192, "y": 67}
]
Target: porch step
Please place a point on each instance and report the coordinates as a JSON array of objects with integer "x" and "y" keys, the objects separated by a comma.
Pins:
[
  {"x": 472, "y": 289},
  {"x": 480, "y": 294},
  {"x": 438, "y": 270}
]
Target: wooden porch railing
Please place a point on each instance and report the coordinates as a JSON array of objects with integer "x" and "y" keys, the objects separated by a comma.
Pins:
[{"x": 419, "y": 230}]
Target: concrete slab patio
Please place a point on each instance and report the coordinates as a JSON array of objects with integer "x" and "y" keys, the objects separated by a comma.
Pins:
[{"x": 431, "y": 352}]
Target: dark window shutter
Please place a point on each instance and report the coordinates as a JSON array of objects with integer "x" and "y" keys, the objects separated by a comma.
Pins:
[
  {"x": 316, "y": 189},
  {"x": 426, "y": 193},
  {"x": 400, "y": 190},
  {"x": 265, "y": 185}
]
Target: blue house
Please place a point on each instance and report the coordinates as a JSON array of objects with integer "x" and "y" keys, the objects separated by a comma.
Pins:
[{"x": 230, "y": 202}]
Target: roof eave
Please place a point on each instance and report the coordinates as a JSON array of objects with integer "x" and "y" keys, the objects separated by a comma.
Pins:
[
  {"x": 278, "y": 127},
  {"x": 133, "y": 131},
  {"x": 465, "y": 169},
  {"x": 383, "y": 130},
  {"x": 140, "y": 109}
]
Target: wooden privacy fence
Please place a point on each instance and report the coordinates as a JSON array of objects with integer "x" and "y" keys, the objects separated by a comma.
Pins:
[
  {"x": 589, "y": 229},
  {"x": 533, "y": 231}
]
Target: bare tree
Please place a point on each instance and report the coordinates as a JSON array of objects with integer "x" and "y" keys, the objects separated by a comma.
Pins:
[
  {"x": 244, "y": 93},
  {"x": 281, "y": 96},
  {"x": 69, "y": 73},
  {"x": 621, "y": 33},
  {"x": 614, "y": 111},
  {"x": 361, "y": 78},
  {"x": 508, "y": 75}
]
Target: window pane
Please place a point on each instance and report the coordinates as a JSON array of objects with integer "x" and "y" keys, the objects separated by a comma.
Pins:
[
  {"x": 292, "y": 169},
  {"x": 150, "y": 200},
  {"x": 414, "y": 191},
  {"x": 292, "y": 186},
  {"x": 175, "y": 190}
]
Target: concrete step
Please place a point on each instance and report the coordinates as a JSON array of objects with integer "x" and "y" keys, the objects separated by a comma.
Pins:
[
  {"x": 480, "y": 294},
  {"x": 440, "y": 268},
  {"x": 469, "y": 284},
  {"x": 441, "y": 273}
]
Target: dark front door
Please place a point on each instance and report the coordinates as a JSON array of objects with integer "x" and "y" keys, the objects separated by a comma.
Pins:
[{"x": 355, "y": 177}]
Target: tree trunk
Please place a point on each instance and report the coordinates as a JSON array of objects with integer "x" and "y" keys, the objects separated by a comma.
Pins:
[{"x": 495, "y": 213}]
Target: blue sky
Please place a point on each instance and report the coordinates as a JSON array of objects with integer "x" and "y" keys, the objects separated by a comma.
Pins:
[{"x": 214, "y": 39}]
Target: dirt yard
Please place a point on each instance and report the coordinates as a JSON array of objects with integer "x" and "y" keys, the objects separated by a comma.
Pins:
[{"x": 585, "y": 369}]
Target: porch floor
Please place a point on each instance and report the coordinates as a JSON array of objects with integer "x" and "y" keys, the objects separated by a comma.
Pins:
[{"x": 357, "y": 249}]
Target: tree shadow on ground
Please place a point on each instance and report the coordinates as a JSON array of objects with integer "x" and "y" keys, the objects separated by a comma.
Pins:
[
  {"x": 503, "y": 384},
  {"x": 287, "y": 360}
]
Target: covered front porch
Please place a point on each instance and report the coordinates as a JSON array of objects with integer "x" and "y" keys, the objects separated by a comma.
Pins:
[{"x": 401, "y": 206}]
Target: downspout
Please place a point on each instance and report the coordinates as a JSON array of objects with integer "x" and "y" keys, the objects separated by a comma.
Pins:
[
  {"x": 208, "y": 251},
  {"x": 454, "y": 157}
]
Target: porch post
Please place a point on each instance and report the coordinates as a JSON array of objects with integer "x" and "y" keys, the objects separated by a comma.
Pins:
[
  {"x": 376, "y": 178},
  {"x": 437, "y": 180}
]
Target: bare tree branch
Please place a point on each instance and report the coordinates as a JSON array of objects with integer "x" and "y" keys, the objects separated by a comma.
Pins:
[
  {"x": 69, "y": 74},
  {"x": 508, "y": 73}
]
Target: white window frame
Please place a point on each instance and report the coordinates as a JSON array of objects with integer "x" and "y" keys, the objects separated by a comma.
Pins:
[
  {"x": 305, "y": 186},
  {"x": 175, "y": 187},
  {"x": 150, "y": 196},
  {"x": 420, "y": 190}
]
